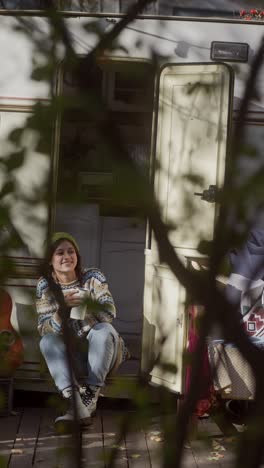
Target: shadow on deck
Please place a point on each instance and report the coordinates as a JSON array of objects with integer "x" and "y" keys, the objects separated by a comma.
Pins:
[{"x": 27, "y": 438}]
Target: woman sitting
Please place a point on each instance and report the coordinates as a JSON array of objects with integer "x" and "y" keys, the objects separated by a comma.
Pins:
[{"x": 99, "y": 346}]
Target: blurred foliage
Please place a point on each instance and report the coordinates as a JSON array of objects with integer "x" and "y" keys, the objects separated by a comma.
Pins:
[{"x": 40, "y": 138}]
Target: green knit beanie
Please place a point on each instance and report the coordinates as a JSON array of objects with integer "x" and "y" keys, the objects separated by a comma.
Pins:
[{"x": 64, "y": 235}]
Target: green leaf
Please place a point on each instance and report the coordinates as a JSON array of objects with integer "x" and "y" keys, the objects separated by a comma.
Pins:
[
  {"x": 15, "y": 135},
  {"x": 15, "y": 160},
  {"x": 42, "y": 73},
  {"x": 7, "y": 188},
  {"x": 4, "y": 215}
]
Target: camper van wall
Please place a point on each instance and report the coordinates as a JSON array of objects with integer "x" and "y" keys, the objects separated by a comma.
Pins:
[
  {"x": 174, "y": 40},
  {"x": 110, "y": 237}
]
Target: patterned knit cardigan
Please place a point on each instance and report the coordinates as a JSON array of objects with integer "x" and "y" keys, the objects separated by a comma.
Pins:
[{"x": 93, "y": 280}]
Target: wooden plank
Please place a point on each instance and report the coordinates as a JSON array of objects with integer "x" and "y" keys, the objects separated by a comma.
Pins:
[
  {"x": 46, "y": 440},
  {"x": 26, "y": 438},
  {"x": 211, "y": 448},
  {"x": 203, "y": 453},
  {"x": 229, "y": 460},
  {"x": 111, "y": 426},
  {"x": 155, "y": 447},
  {"x": 230, "y": 445},
  {"x": 53, "y": 449},
  {"x": 8, "y": 429},
  {"x": 208, "y": 426},
  {"x": 218, "y": 446},
  {"x": 154, "y": 440},
  {"x": 49, "y": 447},
  {"x": 137, "y": 449},
  {"x": 188, "y": 460},
  {"x": 92, "y": 443}
]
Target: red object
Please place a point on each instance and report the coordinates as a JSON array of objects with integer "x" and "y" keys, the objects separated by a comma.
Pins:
[
  {"x": 254, "y": 322},
  {"x": 11, "y": 346},
  {"x": 251, "y": 14},
  {"x": 204, "y": 402}
]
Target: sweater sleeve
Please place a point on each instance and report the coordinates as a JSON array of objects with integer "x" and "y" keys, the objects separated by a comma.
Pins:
[
  {"x": 47, "y": 308},
  {"x": 96, "y": 283}
]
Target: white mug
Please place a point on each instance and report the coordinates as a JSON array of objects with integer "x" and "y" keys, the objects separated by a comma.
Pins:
[{"x": 78, "y": 312}]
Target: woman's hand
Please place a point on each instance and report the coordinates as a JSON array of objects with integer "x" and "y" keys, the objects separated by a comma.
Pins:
[{"x": 72, "y": 298}]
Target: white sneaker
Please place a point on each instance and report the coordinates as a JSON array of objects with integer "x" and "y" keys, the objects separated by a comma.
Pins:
[
  {"x": 83, "y": 412},
  {"x": 89, "y": 396}
]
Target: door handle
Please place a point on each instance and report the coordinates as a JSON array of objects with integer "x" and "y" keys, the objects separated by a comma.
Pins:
[{"x": 210, "y": 195}]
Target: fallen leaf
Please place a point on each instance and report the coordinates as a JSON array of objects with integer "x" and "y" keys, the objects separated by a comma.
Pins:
[
  {"x": 217, "y": 446},
  {"x": 215, "y": 456},
  {"x": 17, "y": 451},
  {"x": 135, "y": 455}
]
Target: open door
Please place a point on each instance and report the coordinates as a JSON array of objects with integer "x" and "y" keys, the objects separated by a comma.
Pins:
[{"x": 191, "y": 133}]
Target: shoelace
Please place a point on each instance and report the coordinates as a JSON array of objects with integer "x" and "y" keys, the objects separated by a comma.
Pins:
[{"x": 87, "y": 395}]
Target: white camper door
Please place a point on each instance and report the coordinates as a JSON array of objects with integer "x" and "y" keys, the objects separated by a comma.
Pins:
[{"x": 192, "y": 109}]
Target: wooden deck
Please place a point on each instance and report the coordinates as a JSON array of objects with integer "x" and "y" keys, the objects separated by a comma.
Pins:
[{"x": 27, "y": 439}]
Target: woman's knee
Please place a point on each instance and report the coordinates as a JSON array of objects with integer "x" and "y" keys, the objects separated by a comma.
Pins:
[
  {"x": 51, "y": 342},
  {"x": 102, "y": 333}
]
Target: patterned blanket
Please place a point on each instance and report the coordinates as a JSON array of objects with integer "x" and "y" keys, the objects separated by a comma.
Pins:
[
  {"x": 251, "y": 304},
  {"x": 232, "y": 375},
  {"x": 245, "y": 286}
]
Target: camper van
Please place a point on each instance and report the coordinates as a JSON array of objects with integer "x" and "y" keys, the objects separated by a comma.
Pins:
[{"x": 170, "y": 124}]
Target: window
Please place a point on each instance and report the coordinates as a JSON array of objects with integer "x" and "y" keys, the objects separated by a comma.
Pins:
[{"x": 122, "y": 92}]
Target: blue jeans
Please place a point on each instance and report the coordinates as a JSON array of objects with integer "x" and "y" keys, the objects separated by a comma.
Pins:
[{"x": 96, "y": 360}]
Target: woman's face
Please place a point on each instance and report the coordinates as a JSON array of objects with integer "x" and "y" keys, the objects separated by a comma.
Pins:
[{"x": 64, "y": 258}]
